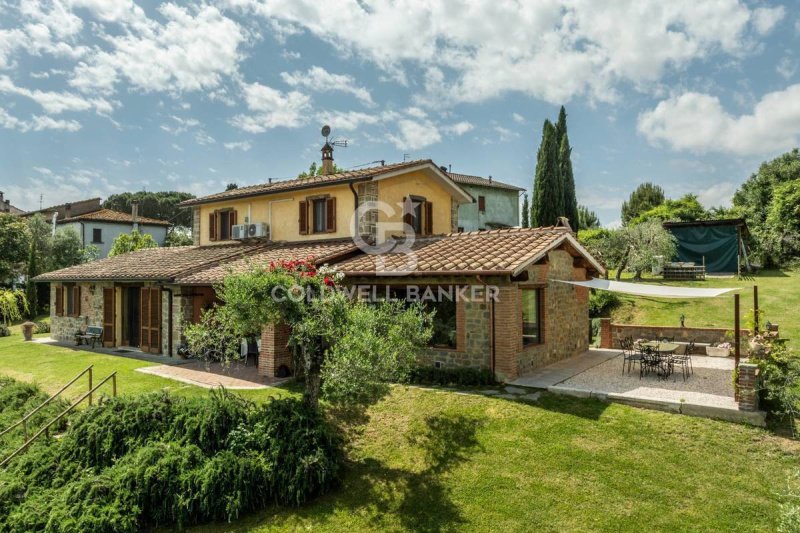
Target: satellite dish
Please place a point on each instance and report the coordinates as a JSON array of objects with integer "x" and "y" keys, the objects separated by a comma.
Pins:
[{"x": 326, "y": 130}]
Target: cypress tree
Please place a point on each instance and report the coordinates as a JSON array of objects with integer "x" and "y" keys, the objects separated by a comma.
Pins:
[
  {"x": 561, "y": 125},
  {"x": 31, "y": 293},
  {"x": 548, "y": 198},
  {"x": 568, "y": 182},
  {"x": 526, "y": 212}
]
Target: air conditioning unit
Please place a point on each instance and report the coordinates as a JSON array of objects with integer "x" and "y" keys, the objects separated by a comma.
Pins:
[{"x": 250, "y": 231}]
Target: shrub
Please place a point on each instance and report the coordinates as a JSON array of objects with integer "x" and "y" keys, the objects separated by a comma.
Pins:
[
  {"x": 42, "y": 327},
  {"x": 458, "y": 376},
  {"x": 780, "y": 385},
  {"x": 601, "y": 302},
  {"x": 161, "y": 461},
  {"x": 4, "y": 331}
]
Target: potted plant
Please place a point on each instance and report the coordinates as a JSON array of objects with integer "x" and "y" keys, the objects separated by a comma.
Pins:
[
  {"x": 721, "y": 349},
  {"x": 758, "y": 346}
]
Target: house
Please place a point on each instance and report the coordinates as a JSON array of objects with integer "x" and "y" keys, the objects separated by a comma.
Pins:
[
  {"x": 7, "y": 208},
  {"x": 495, "y": 204},
  {"x": 717, "y": 244},
  {"x": 99, "y": 227},
  {"x": 391, "y": 229}
]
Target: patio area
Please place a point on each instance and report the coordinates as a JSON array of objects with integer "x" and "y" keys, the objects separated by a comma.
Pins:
[
  {"x": 211, "y": 375},
  {"x": 598, "y": 373}
]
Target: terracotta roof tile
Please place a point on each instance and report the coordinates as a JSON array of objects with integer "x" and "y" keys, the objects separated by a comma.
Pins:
[
  {"x": 303, "y": 183},
  {"x": 108, "y": 215},
  {"x": 467, "y": 179},
  {"x": 499, "y": 251}
]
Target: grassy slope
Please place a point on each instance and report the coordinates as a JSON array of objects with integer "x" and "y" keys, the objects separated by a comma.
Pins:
[
  {"x": 778, "y": 295},
  {"x": 424, "y": 460}
]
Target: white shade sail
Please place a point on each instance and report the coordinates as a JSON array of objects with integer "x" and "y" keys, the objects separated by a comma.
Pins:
[{"x": 644, "y": 289}]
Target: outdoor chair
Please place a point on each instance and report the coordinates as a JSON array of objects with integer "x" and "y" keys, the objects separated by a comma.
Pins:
[
  {"x": 91, "y": 335},
  {"x": 685, "y": 360},
  {"x": 630, "y": 355},
  {"x": 653, "y": 361}
]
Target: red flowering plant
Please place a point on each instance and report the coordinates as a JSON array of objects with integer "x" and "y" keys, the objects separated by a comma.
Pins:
[{"x": 352, "y": 346}]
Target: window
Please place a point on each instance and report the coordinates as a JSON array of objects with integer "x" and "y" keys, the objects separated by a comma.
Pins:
[
  {"x": 420, "y": 215},
  {"x": 445, "y": 329},
  {"x": 220, "y": 224},
  {"x": 97, "y": 235},
  {"x": 72, "y": 296},
  {"x": 482, "y": 204},
  {"x": 416, "y": 220},
  {"x": 224, "y": 225},
  {"x": 320, "y": 215},
  {"x": 531, "y": 317}
]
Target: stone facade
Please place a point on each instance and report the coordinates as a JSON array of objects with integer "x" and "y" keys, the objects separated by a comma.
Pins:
[
  {"x": 473, "y": 338},
  {"x": 196, "y": 226},
  {"x": 63, "y": 328},
  {"x": 611, "y": 333}
]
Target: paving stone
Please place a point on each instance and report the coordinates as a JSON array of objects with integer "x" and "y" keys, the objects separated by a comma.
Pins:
[
  {"x": 515, "y": 390},
  {"x": 532, "y": 397},
  {"x": 489, "y": 392},
  {"x": 508, "y": 396}
]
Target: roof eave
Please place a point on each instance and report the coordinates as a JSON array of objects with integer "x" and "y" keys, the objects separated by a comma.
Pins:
[{"x": 555, "y": 244}]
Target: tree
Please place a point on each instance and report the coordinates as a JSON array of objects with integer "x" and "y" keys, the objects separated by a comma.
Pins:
[
  {"x": 548, "y": 198},
  {"x": 161, "y": 205},
  {"x": 587, "y": 219},
  {"x": 13, "y": 247},
  {"x": 753, "y": 201},
  {"x": 67, "y": 250},
  {"x": 647, "y": 242},
  {"x": 782, "y": 229},
  {"x": 610, "y": 246},
  {"x": 316, "y": 170},
  {"x": 526, "y": 212},
  {"x": 685, "y": 209},
  {"x": 568, "y": 181},
  {"x": 347, "y": 348},
  {"x": 645, "y": 197},
  {"x": 130, "y": 242},
  {"x": 12, "y": 305},
  {"x": 231, "y": 186},
  {"x": 178, "y": 236},
  {"x": 31, "y": 291}
]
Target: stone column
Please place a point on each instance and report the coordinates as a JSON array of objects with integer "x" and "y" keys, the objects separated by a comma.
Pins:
[
  {"x": 508, "y": 333},
  {"x": 274, "y": 350},
  {"x": 748, "y": 386},
  {"x": 605, "y": 334}
]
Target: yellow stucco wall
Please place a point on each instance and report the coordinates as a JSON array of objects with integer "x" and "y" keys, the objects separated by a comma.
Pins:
[{"x": 281, "y": 211}]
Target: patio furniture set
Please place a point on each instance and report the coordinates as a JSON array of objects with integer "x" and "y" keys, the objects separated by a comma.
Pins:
[{"x": 656, "y": 357}]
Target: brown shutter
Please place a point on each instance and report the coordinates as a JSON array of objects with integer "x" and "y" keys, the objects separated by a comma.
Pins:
[
  {"x": 303, "y": 218},
  {"x": 144, "y": 318},
  {"x": 76, "y": 300},
  {"x": 109, "y": 312},
  {"x": 155, "y": 320},
  {"x": 481, "y": 203},
  {"x": 212, "y": 226},
  {"x": 232, "y": 220},
  {"x": 59, "y": 300},
  {"x": 408, "y": 217},
  {"x": 330, "y": 214},
  {"x": 428, "y": 216}
]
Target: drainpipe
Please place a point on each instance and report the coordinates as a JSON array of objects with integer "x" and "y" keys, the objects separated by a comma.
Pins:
[
  {"x": 354, "y": 229},
  {"x": 169, "y": 318},
  {"x": 492, "y": 328}
]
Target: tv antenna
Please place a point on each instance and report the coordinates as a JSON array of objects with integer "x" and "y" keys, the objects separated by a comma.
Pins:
[{"x": 326, "y": 131}]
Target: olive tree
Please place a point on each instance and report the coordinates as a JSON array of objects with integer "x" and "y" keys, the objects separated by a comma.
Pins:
[{"x": 348, "y": 349}]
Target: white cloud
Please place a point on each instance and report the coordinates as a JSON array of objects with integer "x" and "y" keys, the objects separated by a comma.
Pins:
[
  {"x": 55, "y": 103},
  {"x": 36, "y": 123},
  {"x": 553, "y": 50},
  {"x": 698, "y": 122},
  {"x": 718, "y": 194},
  {"x": 765, "y": 18},
  {"x": 202, "y": 138},
  {"x": 519, "y": 119},
  {"x": 320, "y": 80},
  {"x": 505, "y": 134},
  {"x": 459, "y": 128},
  {"x": 272, "y": 109},
  {"x": 414, "y": 135},
  {"x": 786, "y": 67},
  {"x": 351, "y": 120},
  {"x": 244, "y": 146}
]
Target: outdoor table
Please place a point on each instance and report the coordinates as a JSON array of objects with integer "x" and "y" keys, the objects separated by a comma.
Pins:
[{"x": 662, "y": 347}]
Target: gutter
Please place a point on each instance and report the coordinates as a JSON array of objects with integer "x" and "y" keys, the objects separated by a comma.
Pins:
[{"x": 278, "y": 191}]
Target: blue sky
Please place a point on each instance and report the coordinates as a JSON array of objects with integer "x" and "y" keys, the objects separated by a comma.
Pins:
[{"x": 103, "y": 96}]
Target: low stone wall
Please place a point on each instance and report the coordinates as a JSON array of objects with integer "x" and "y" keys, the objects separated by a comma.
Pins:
[{"x": 611, "y": 333}]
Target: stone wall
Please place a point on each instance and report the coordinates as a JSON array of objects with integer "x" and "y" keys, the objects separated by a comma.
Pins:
[
  {"x": 196, "y": 226},
  {"x": 63, "y": 328},
  {"x": 473, "y": 338},
  {"x": 611, "y": 333}
]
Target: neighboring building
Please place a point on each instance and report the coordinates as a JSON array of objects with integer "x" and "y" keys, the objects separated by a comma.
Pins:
[
  {"x": 717, "y": 244},
  {"x": 7, "y": 208},
  {"x": 99, "y": 227},
  {"x": 145, "y": 298},
  {"x": 495, "y": 204}
]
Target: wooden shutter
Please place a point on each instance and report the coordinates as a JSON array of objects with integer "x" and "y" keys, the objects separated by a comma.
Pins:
[
  {"x": 212, "y": 227},
  {"x": 59, "y": 300},
  {"x": 232, "y": 222},
  {"x": 144, "y": 319},
  {"x": 76, "y": 300},
  {"x": 481, "y": 203},
  {"x": 303, "y": 218},
  {"x": 330, "y": 214},
  {"x": 428, "y": 216},
  {"x": 109, "y": 313},
  {"x": 408, "y": 216},
  {"x": 155, "y": 320}
]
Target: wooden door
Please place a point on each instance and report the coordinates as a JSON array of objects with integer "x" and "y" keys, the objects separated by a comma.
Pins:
[
  {"x": 109, "y": 316},
  {"x": 150, "y": 317}
]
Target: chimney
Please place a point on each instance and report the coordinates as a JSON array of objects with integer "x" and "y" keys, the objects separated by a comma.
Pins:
[
  {"x": 490, "y": 178},
  {"x": 443, "y": 168},
  {"x": 135, "y": 215},
  {"x": 67, "y": 210},
  {"x": 1, "y": 197},
  {"x": 6, "y": 204},
  {"x": 327, "y": 159}
]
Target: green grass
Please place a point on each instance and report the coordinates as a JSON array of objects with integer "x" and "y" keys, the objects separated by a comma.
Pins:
[
  {"x": 424, "y": 460},
  {"x": 778, "y": 296}
]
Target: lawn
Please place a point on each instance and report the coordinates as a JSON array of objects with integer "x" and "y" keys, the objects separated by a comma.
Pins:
[
  {"x": 435, "y": 460},
  {"x": 778, "y": 296}
]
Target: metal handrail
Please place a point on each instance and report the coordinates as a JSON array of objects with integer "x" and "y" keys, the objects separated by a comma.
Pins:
[
  {"x": 50, "y": 399},
  {"x": 112, "y": 376}
]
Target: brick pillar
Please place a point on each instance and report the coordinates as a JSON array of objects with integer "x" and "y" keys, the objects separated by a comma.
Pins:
[
  {"x": 274, "y": 350},
  {"x": 748, "y": 387},
  {"x": 508, "y": 333},
  {"x": 605, "y": 333}
]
